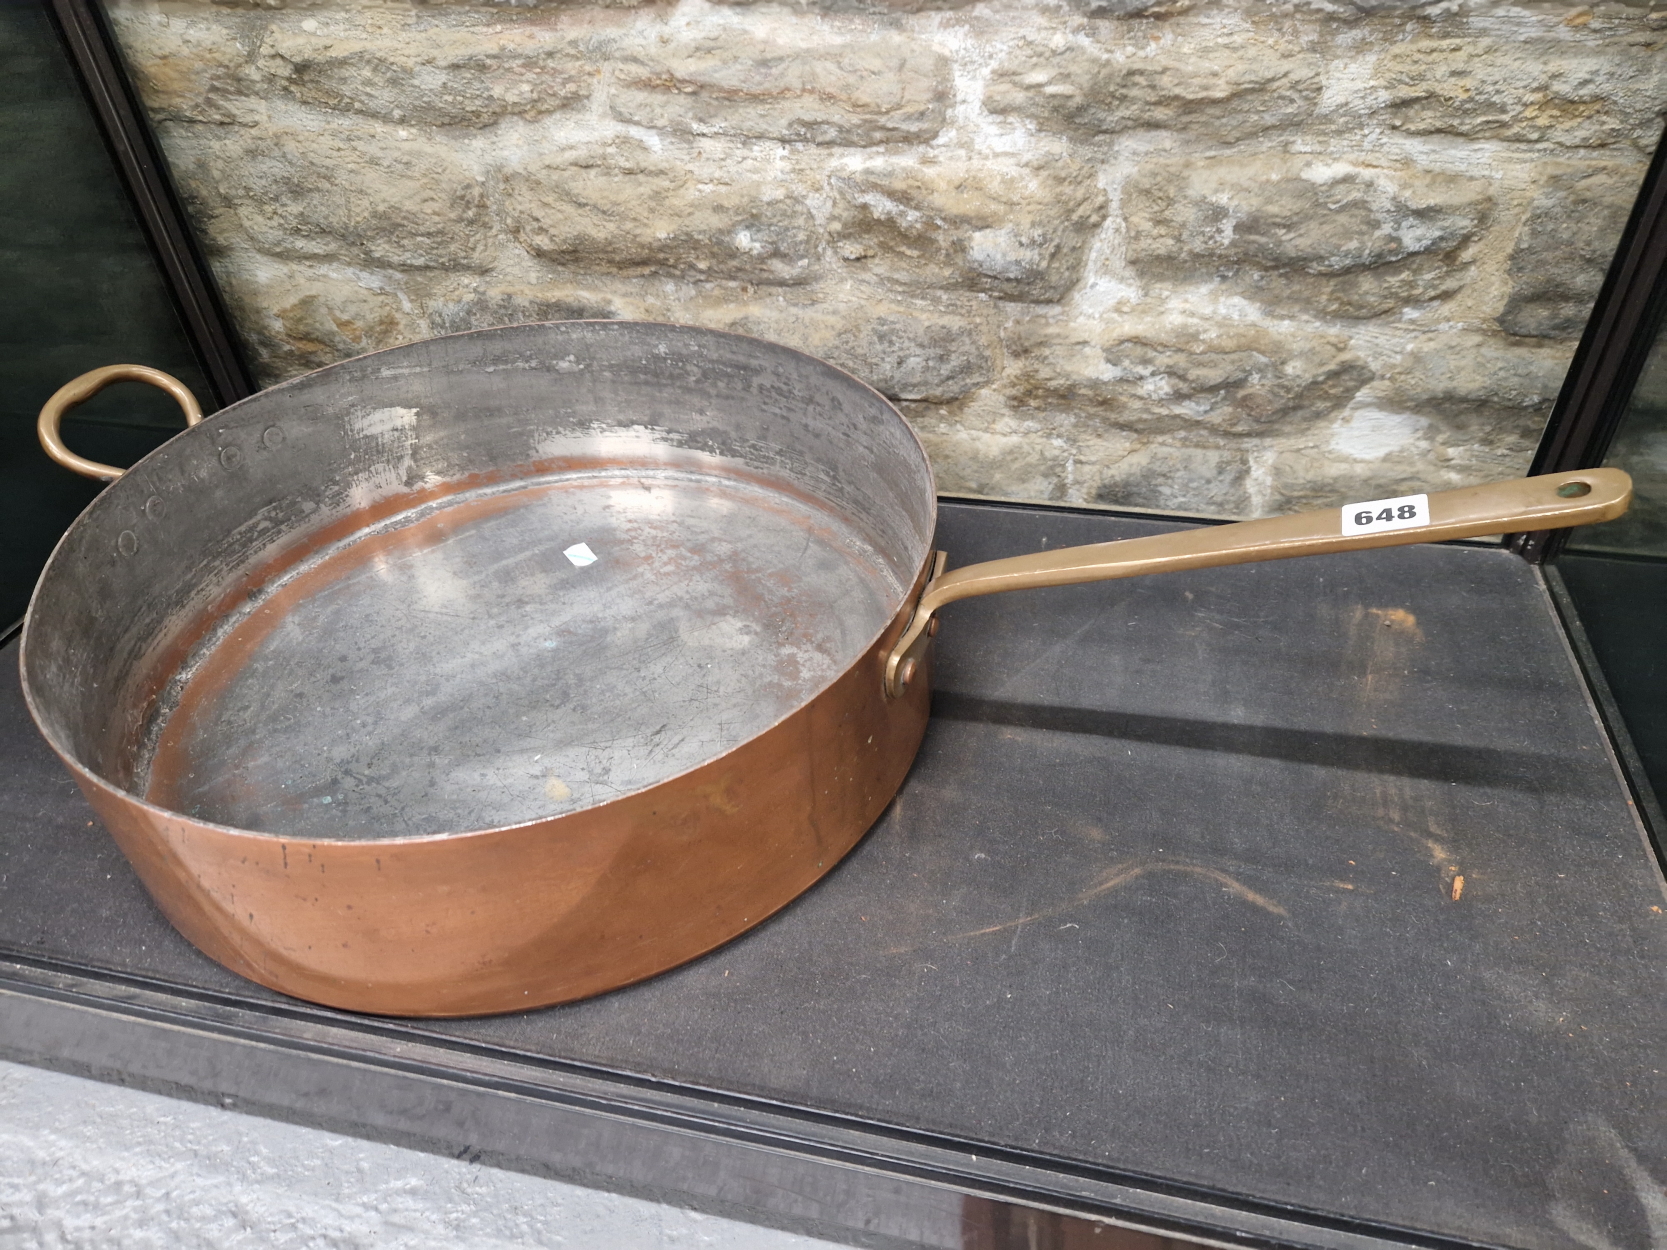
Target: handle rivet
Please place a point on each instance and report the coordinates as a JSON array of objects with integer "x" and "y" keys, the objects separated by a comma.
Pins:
[
  {"x": 231, "y": 457},
  {"x": 906, "y": 673},
  {"x": 1573, "y": 490},
  {"x": 155, "y": 509},
  {"x": 273, "y": 436},
  {"x": 127, "y": 542},
  {"x": 932, "y": 628}
]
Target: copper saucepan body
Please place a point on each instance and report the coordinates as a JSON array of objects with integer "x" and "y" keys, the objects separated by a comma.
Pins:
[{"x": 511, "y": 667}]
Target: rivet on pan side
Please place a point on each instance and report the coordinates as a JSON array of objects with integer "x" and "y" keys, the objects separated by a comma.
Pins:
[
  {"x": 273, "y": 436},
  {"x": 155, "y": 509},
  {"x": 231, "y": 457},
  {"x": 127, "y": 542}
]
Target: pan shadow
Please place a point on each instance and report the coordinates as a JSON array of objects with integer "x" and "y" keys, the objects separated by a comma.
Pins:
[{"x": 1400, "y": 757}]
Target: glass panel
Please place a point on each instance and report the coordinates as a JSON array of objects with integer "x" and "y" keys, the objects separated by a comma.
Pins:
[
  {"x": 82, "y": 290},
  {"x": 1617, "y": 573},
  {"x": 1640, "y": 447}
]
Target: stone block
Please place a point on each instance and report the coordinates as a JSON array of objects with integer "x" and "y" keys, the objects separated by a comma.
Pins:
[
  {"x": 984, "y": 454},
  {"x": 1131, "y": 8},
  {"x": 1226, "y": 86},
  {"x": 620, "y": 208},
  {"x": 295, "y": 320},
  {"x": 431, "y": 76},
  {"x": 1564, "y": 247},
  {"x": 1574, "y": 86},
  {"x": 1021, "y": 232},
  {"x": 1166, "y": 374},
  {"x": 1480, "y": 388},
  {"x": 979, "y": 448},
  {"x": 366, "y": 197},
  {"x": 861, "y": 8},
  {"x": 516, "y": 7},
  {"x": 857, "y": 93},
  {"x": 1301, "y": 234},
  {"x": 1203, "y": 481},
  {"x": 1300, "y": 478},
  {"x": 201, "y": 161},
  {"x": 189, "y": 69},
  {"x": 904, "y": 353},
  {"x": 480, "y": 309}
]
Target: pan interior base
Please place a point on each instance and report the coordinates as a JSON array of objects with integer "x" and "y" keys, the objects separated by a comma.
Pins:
[{"x": 518, "y": 655}]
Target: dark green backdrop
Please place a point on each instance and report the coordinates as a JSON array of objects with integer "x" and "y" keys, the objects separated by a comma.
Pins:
[{"x": 80, "y": 289}]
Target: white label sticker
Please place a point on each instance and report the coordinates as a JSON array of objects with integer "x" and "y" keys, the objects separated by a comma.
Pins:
[
  {"x": 582, "y": 555},
  {"x": 1406, "y": 512}
]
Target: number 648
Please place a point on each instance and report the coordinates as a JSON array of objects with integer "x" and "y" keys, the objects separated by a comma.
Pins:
[{"x": 1404, "y": 513}]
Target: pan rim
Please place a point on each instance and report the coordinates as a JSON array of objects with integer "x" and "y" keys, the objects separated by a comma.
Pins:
[{"x": 86, "y": 775}]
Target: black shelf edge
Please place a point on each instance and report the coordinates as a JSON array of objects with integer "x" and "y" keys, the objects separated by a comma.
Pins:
[{"x": 593, "y": 1126}]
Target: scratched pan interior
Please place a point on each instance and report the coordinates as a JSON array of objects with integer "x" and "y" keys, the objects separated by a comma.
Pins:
[
  {"x": 459, "y": 671},
  {"x": 344, "y": 608}
]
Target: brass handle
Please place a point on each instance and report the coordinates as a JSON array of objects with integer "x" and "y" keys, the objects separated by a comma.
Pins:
[
  {"x": 1554, "y": 501},
  {"x": 84, "y": 388}
]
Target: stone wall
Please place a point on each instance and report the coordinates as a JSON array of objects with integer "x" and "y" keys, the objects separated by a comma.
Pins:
[{"x": 1219, "y": 257}]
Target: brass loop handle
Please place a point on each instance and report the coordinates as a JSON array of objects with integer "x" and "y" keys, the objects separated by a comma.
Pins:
[
  {"x": 1552, "y": 501},
  {"x": 84, "y": 388}
]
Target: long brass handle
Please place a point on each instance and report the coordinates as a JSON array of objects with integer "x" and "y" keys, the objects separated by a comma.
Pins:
[
  {"x": 84, "y": 388},
  {"x": 1554, "y": 501}
]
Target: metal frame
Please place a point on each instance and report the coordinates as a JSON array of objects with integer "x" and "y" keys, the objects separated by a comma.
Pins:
[
  {"x": 139, "y": 163},
  {"x": 1628, "y": 312}
]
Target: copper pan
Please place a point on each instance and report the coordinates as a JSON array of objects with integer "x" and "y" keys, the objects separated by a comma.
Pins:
[{"x": 507, "y": 668}]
